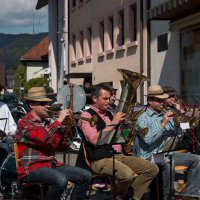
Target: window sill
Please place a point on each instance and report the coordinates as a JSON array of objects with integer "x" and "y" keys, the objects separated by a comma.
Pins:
[
  {"x": 120, "y": 48},
  {"x": 73, "y": 62},
  {"x": 110, "y": 51},
  {"x": 132, "y": 44},
  {"x": 80, "y": 60},
  {"x": 88, "y": 57},
  {"x": 101, "y": 54}
]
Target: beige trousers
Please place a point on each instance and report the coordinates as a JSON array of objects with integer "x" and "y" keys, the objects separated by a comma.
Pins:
[{"x": 125, "y": 167}]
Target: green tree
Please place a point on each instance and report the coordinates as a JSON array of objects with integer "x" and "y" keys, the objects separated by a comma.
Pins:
[
  {"x": 38, "y": 82},
  {"x": 20, "y": 80}
]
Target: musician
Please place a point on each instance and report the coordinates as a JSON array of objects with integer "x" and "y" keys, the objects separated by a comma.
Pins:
[
  {"x": 174, "y": 102},
  {"x": 112, "y": 105},
  {"x": 7, "y": 127},
  {"x": 161, "y": 128},
  {"x": 37, "y": 140},
  {"x": 100, "y": 157}
]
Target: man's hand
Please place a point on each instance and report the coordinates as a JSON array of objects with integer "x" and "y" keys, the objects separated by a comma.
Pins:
[
  {"x": 64, "y": 114},
  {"x": 167, "y": 116},
  {"x": 119, "y": 117}
]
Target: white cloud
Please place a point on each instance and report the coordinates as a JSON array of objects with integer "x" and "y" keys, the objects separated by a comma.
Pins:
[{"x": 15, "y": 13}]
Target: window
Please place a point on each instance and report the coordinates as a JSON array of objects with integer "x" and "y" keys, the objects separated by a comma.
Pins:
[
  {"x": 121, "y": 28},
  {"x": 89, "y": 41},
  {"x": 101, "y": 36},
  {"x": 73, "y": 3},
  {"x": 133, "y": 23},
  {"x": 110, "y": 33},
  {"x": 162, "y": 42},
  {"x": 81, "y": 44},
  {"x": 73, "y": 47}
]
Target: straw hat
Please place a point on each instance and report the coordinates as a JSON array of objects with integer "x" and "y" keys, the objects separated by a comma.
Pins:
[
  {"x": 157, "y": 92},
  {"x": 37, "y": 94}
]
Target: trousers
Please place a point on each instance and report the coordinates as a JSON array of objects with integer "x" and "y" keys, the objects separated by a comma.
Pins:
[
  {"x": 57, "y": 179},
  {"x": 125, "y": 167},
  {"x": 192, "y": 161}
]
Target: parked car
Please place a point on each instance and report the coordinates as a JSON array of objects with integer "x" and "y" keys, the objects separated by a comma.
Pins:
[{"x": 10, "y": 99}]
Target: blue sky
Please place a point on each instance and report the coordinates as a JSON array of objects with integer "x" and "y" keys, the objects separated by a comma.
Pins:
[{"x": 20, "y": 16}]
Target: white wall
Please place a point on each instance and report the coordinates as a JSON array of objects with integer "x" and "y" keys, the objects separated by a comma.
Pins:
[
  {"x": 33, "y": 68},
  {"x": 165, "y": 65}
]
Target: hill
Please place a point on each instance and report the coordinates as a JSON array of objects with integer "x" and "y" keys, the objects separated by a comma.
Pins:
[{"x": 13, "y": 46}]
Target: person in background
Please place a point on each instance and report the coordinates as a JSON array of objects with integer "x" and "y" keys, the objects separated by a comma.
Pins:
[
  {"x": 112, "y": 105},
  {"x": 175, "y": 102},
  {"x": 162, "y": 128},
  {"x": 7, "y": 128},
  {"x": 100, "y": 156},
  {"x": 38, "y": 139}
]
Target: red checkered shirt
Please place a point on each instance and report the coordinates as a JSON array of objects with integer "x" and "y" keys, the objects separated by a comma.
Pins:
[{"x": 37, "y": 142}]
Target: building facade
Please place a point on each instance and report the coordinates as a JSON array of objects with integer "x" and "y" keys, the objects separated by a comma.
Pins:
[
  {"x": 175, "y": 45},
  {"x": 105, "y": 36}
]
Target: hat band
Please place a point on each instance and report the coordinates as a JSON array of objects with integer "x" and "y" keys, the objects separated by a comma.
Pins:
[
  {"x": 156, "y": 93},
  {"x": 37, "y": 97}
]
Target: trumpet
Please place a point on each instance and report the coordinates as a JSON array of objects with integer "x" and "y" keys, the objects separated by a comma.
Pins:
[
  {"x": 181, "y": 117},
  {"x": 55, "y": 109}
]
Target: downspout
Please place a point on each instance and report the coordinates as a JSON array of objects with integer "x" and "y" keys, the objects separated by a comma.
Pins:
[
  {"x": 148, "y": 44},
  {"x": 64, "y": 42},
  {"x": 141, "y": 49}
]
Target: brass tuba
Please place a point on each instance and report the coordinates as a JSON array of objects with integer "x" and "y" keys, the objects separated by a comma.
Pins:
[{"x": 131, "y": 81}]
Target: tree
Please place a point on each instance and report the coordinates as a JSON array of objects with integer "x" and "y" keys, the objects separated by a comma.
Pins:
[
  {"x": 20, "y": 80},
  {"x": 38, "y": 82}
]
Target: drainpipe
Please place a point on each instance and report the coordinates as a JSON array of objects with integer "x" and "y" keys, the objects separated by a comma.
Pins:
[
  {"x": 141, "y": 49},
  {"x": 64, "y": 44}
]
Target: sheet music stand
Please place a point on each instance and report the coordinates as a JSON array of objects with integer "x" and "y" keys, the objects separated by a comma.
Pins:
[
  {"x": 168, "y": 154},
  {"x": 117, "y": 136}
]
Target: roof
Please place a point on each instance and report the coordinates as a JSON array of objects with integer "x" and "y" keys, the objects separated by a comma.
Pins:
[
  {"x": 39, "y": 52},
  {"x": 173, "y": 9},
  {"x": 41, "y": 3}
]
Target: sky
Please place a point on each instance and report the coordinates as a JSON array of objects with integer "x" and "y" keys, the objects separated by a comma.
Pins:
[{"x": 20, "y": 16}]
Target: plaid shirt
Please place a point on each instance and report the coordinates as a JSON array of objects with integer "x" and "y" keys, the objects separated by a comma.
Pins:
[
  {"x": 157, "y": 136},
  {"x": 37, "y": 142}
]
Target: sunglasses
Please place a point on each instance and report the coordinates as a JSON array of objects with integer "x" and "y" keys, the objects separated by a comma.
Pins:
[{"x": 41, "y": 103}]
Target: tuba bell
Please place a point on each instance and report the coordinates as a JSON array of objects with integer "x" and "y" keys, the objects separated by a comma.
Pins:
[{"x": 131, "y": 81}]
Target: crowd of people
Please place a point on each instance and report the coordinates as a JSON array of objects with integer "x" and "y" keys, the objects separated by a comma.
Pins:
[{"x": 38, "y": 138}]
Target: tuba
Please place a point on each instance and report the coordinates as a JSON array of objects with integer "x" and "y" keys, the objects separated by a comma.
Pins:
[{"x": 131, "y": 81}]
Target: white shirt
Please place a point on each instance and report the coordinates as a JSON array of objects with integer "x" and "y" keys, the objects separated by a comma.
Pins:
[{"x": 7, "y": 125}]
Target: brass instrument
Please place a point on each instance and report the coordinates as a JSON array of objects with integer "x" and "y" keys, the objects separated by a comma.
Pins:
[
  {"x": 127, "y": 101},
  {"x": 55, "y": 109},
  {"x": 135, "y": 128},
  {"x": 92, "y": 120},
  {"x": 181, "y": 117}
]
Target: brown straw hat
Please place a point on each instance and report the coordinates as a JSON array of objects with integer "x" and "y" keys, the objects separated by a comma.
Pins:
[
  {"x": 157, "y": 92},
  {"x": 37, "y": 94}
]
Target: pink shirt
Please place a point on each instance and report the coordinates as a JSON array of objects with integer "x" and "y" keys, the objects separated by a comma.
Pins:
[{"x": 90, "y": 132}]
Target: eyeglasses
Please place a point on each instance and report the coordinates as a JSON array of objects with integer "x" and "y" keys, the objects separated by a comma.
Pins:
[
  {"x": 171, "y": 96},
  {"x": 41, "y": 103},
  {"x": 113, "y": 93}
]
